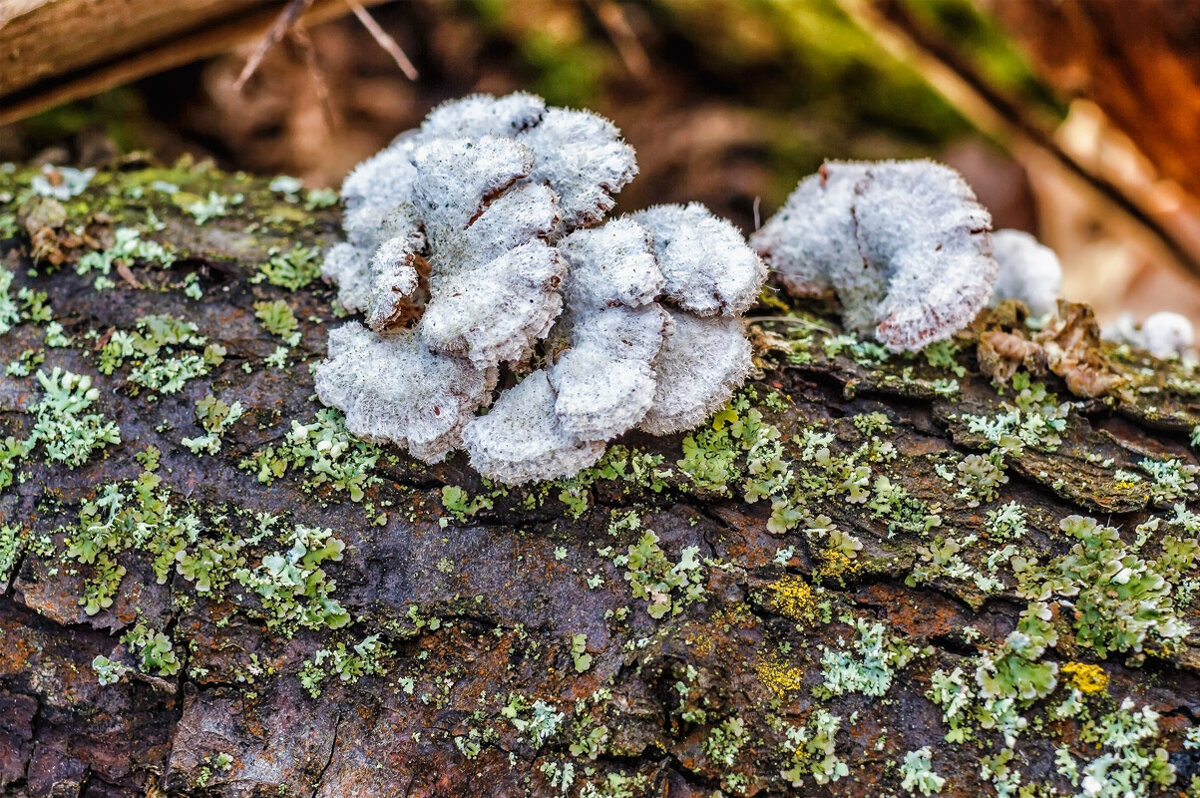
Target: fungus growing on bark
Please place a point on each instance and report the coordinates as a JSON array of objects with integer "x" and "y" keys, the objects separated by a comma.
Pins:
[
  {"x": 474, "y": 247},
  {"x": 904, "y": 246},
  {"x": 1028, "y": 271}
]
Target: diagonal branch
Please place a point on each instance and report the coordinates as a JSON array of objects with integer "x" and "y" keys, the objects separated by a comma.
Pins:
[{"x": 891, "y": 25}]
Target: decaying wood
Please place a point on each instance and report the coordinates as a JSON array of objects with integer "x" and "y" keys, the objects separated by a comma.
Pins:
[
  {"x": 490, "y": 610},
  {"x": 60, "y": 50}
]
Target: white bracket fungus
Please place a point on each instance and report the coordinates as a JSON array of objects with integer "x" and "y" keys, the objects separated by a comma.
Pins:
[
  {"x": 474, "y": 247},
  {"x": 1162, "y": 334},
  {"x": 904, "y": 245},
  {"x": 1028, "y": 271}
]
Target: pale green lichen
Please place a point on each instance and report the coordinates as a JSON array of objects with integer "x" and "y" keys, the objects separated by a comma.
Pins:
[
  {"x": 1034, "y": 418},
  {"x": 365, "y": 658},
  {"x": 108, "y": 671},
  {"x": 10, "y": 314},
  {"x": 11, "y": 537},
  {"x": 537, "y": 722},
  {"x": 63, "y": 427},
  {"x": 215, "y": 416},
  {"x": 325, "y": 455},
  {"x": 1121, "y": 599},
  {"x": 579, "y": 656},
  {"x": 667, "y": 586},
  {"x": 152, "y": 649},
  {"x": 917, "y": 774},
  {"x": 205, "y": 209},
  {"x": 867, "y": 667},
  {"x": 128, "y": 247},
  {"x": 813, "y": 750},
  {"x": 1127, "y": 763},
  {"x": 295, "y": 269},
  {"x": 277, "y": 318},
  {"x": 164, "y": 353}
]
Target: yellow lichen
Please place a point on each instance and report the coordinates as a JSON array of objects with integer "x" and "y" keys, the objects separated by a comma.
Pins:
[
  {"x": 1086, "y": 678},
  {"x": 794, "y": 598},
  {"x": 779, "y": 676},
  {"x": 836, "y": 564}
]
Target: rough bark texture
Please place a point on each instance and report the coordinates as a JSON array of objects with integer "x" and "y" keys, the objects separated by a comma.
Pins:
[{"x": 541, "y": 641}]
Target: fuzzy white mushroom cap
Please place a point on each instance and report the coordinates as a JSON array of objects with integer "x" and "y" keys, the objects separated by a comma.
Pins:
[
  {"x": 394, "y": 389},
  {"x": 904, "y": 245},
  {"x": 1162, "y": 334},
  {"x": 475, "y": 242},
  {"x": 1028, "y": 271}
]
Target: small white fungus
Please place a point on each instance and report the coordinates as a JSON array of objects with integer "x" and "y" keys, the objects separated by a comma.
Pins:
[
  {"x": 1162, "y": 334},
  {"x": 1028, "y": 271},
  {"x": 904, "y": 245}
]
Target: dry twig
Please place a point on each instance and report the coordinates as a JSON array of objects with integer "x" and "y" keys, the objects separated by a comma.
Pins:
[
  {"x": 283, "y": 23},
  {"x": 383, "y": 39}
]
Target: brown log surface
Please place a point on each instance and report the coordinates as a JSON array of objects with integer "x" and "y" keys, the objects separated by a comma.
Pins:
[{"x": 55, "y": 51}]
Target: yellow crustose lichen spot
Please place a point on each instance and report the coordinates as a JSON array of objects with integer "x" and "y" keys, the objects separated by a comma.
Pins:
[
  {"x": 779, "y": 676},
  {"x": 793, "y": 597},
  {"x": 836, "y": 564},
  {"x": 1086, "y": 678}
]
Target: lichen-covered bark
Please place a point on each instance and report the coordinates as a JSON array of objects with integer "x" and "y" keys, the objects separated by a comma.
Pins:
[{"x": 864, "y": 555}]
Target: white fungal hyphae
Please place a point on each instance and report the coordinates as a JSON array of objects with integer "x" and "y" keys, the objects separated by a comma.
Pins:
[
  {"x": 1028, "y": 271},
  {"x": 476, "y": 242},
  {"x": 904, "y": 245},
  {"x": 606, "y": 381},
  {"x": 522, "y": 437},
  {"x": 1162, "y": 334}
]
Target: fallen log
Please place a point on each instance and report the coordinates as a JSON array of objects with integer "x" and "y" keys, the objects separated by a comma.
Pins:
[{"x": 871, "y": 574}]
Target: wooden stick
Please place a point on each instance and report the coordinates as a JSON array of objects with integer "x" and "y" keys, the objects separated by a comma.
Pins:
[
  {"x": 190, "y": 38},
  {"x": 385, "y": 41},
  {"x": 279, "y": 28}
]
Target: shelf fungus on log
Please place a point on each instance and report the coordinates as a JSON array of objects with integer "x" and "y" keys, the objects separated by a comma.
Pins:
[
  {"x": 904, "y": 245},
  {"x": 477, "y": 248}
]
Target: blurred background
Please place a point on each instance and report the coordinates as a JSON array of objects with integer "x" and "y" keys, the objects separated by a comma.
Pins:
[{"x": 1076, "y": 120}]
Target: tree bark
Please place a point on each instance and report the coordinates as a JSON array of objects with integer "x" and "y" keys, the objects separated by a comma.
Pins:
[{"x": 538, "y": 641}]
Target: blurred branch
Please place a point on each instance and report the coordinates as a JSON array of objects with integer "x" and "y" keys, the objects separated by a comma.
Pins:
[
  {"x": 384, "y": 40},
  {"x": 279, "y": 28},
  {"x": 299, "y": 34},
  {"x": 1008, "y": 122},
  {"x": 62, "y": 50},
  {"x": 620, "y": 32}
]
